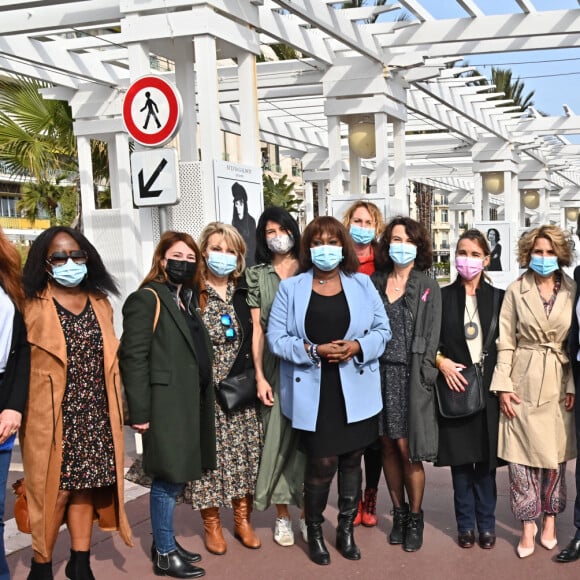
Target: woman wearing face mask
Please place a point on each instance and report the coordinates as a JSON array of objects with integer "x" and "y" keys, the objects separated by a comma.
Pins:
[
  {"x": 226, "y": 315},
  {"x": 72, "y": 430},
  {"x": 408, "y": 423},
  {"x": 365, "y": 223},
  {"x": 469, "y": 444},
  {"x": 165, "y": 360},
  {"x": 281, "y": 474},
  {"x": 328, "y": 327},
  {"x": 534, "y": 382}
]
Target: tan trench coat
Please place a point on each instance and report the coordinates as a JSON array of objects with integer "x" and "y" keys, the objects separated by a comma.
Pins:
[
  {"x": 41, "y": 431},
  {"x": 532, "y": 362}
]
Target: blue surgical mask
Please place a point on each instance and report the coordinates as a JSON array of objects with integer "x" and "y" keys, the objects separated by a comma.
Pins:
[
  {"x": 326, "y": 258},
  {"x": 222, "y": 264},
  {"x": 69, "y": 274},
  {"x": 402, "y": 254},
  {"x": 544, "y": 266},
  {"x": 362, "y": 236}
]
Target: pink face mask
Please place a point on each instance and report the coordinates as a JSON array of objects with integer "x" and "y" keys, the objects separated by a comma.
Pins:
[{"x": 468, "y": 268}]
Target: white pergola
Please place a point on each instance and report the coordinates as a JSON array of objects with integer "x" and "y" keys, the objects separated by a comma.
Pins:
[{"x": 431, "y": 124}]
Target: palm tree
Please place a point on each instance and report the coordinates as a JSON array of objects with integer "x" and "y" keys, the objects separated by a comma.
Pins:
[
  {"x": 37, "y": 141},
  {"x": 279, "y": 193},
  {"x": 502, "y": 79}
]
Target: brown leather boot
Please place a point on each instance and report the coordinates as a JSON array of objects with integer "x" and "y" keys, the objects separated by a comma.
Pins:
[
  {"x": 243, "y": 529},
  {"x": 214, "y": 537}
]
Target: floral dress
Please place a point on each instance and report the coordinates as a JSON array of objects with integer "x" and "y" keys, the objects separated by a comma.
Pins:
[
  {"x": 238, "y": 433},
  {"x": 88, "y": 455}
]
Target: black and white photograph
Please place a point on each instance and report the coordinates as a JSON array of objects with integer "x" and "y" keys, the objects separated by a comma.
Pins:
[{"x": 240, "y": 200}]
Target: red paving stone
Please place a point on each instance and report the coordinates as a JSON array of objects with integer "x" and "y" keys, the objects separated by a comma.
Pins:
[{"x": 440, "y": 557}]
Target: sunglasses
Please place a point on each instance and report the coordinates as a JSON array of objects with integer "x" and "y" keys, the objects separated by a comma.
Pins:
[
  {"x": 229, "y": 330},
  {"x": 61, "y": 258}
]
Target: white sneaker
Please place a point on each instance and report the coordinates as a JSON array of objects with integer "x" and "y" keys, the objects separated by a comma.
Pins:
[
  {"x": 303, "y": 529},
  {"x": 283, "y": 534}
]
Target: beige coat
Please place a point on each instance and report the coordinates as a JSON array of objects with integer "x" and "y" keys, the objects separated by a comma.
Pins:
[
  {"x": 41, "y": 431},
  {"x": 533, "y": 363}
]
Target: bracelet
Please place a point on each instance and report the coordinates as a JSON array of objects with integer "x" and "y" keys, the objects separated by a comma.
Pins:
[
  {"x": 439, "y": 357},
  {"x": 313, "y": 354}
]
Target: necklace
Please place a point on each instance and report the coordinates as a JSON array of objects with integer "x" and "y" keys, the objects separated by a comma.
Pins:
[
  {"x": 471, "y": 329},
  {"x": 404, "y": 281},
  {"x": 324, "y": 281}
]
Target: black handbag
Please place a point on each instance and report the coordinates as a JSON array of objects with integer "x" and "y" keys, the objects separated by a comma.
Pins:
[
  {"x": 237, "y": 391},
  {"x": 453, "y": 404}
]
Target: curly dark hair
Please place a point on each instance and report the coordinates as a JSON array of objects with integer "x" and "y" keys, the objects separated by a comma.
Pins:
[
  {"x": 35, "y": 276},
  {"x": 331, "y": 226},
  {"x": 283, "y": 218},
  {"x": 418, "y": 235}
]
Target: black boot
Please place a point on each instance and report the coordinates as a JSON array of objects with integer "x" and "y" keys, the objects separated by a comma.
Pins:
[
  {"x": 188, "y": 556},
  {"x": 414, "y": 535},
  {"x": 40, "y": 571},
  {"x": 79, "y": 566},
  {"x": 400, "y": 522},
  {"x": 315, "y": 498},
  {"x": 174, "y": 565},
  {"x": 349, "y": 483}
]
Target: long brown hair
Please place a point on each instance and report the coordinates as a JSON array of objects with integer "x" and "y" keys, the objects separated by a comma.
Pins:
[
  {"x": 169, "y": 239},
  {"x": 11, "y": 271}
]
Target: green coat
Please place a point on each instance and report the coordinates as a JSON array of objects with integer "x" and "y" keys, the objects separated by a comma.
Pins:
[{"x": 161, "y": 377}]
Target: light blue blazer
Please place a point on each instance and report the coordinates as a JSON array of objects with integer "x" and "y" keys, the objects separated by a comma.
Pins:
[{"x": 300, "y": 377}]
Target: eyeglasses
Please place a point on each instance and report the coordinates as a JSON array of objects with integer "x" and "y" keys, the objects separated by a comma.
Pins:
[
  {"x": 229, "y": 330},
  {"x": 61, "y": 258}
]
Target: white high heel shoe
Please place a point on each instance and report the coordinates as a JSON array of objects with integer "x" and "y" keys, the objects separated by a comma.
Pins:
[
  {"x": 549, "y": 544},
  {"x": 525, "y": 552}
]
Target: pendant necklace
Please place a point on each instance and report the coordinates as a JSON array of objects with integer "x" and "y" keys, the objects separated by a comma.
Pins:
[
  {"x": 322, "y": 281},
  {"x": 471, "y": 329}
]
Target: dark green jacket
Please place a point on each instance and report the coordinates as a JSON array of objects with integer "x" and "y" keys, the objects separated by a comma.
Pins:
[
  {"x": 161, "y": 378},
  {"x": 423, "y": 298}
]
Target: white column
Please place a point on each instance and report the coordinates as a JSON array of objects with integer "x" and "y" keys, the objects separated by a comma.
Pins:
[
  {"x": 544, "y": 206},
  {"x": 322, "y": 198},
  {"x": 209, "y": 116},
  {"x": 478, "y": 195},
  {"x": 334, "y": 157},
  {"x": 185, "y": 81},
  {"x": 400, "y": 166},
  {"x": 86, "y": 179},
  {"x": 382, "y": 159},
  {"x": 249, "y": 123},
  {"x": 308, "y": 202},
  {"x": 355, "y": 188}
]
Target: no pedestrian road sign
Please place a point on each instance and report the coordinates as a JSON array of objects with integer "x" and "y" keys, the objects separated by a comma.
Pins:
[
  {"x": 155, "y": 177},
  {"x": 152, "y": 111}
]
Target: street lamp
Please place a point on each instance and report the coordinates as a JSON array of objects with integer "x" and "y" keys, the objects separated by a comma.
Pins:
[
  {"x": 531, "y": 198},
  {"x": 493, "y": 182},
  {"x": 572, "y": 214},
  {"x": 361, "y": 139}
]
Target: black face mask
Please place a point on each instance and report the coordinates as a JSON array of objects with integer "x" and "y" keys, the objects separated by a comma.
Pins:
[{"x": 180, "y": 271}]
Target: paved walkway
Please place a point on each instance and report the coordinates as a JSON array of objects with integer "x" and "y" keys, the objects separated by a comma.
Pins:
[{"x": 440, "y": 557}]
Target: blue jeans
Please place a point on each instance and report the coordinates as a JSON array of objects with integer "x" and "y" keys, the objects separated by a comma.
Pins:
[
  {"x": 474, "y": 496},
  {"x": 4, "y": 467},
  {"x": 162, "y": 505}
]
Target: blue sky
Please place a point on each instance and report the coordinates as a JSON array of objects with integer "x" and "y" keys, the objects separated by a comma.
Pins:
[{"x": 551, "y": 92}]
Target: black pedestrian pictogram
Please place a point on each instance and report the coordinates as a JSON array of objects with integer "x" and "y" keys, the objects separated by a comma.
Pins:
[{"x": 152, "y": 110}]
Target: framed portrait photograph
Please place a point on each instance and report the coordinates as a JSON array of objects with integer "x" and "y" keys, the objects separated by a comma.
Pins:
[
  {"x": 498, "y": 235},
  {"x": 239, "y": 200}
]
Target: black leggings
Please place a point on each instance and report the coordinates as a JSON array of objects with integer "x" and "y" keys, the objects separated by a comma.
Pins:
[{"x": 321, "y": 470}]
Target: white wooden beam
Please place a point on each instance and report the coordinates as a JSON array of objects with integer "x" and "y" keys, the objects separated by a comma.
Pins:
[
  {"x": 28, "y": 20},
  {"x": 471, "y": 8},
  {"x": 416, "y": 9},
  {"x": 330, "y": 22}
]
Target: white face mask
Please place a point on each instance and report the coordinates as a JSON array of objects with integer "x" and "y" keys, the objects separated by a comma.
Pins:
[{"x": 280, "y": 244}]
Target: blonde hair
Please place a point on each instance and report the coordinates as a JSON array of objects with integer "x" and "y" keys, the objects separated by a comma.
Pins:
[
  {"x": 234, "y": 241},
  {"x": 560, "y": 239},
  {"x": 371, "y": 208}
]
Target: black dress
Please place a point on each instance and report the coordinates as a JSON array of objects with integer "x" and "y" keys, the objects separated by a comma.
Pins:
[{"x": 327, "y": 319}]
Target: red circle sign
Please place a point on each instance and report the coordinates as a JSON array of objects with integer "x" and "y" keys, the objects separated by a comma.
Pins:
[{"x": 152, "y": 111}]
